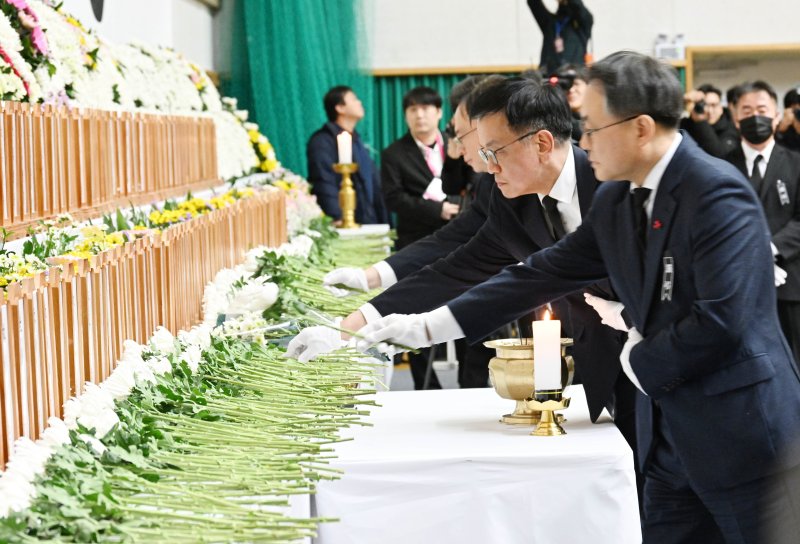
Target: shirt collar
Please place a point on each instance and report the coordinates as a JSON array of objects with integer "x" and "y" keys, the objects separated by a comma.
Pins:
[
  {"x": 336, "y": 129},
  {"x": 653, "y": 178},
  {"x": 750, "y": 154},
  {"x": 564, "y": 187}
]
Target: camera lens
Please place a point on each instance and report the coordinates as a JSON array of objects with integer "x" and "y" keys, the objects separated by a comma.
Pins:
[{"x": 700, "y": 106}]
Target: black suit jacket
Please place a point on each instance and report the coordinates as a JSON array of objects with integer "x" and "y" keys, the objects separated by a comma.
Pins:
[
  {"x": 783, "y": 218},
  {"x": 713, "y": 354},
  {"x": 514, "y": 229},
  {"x": 447, "y": 239},
  {"x": 404, "y": 177}
]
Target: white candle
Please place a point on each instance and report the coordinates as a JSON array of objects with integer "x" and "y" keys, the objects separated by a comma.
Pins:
[
  {"x": 547, "y": 353},
  {"x": 345, "y": 143}
]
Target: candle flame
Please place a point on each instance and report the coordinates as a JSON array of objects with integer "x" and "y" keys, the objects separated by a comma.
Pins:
[{"x": 547, "y": 316}]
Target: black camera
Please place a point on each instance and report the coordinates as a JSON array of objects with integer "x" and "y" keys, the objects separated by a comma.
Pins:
[{"x": 700, "y": 107}]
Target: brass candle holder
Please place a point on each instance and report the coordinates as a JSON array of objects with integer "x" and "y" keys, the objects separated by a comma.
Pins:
[
  {"x": 511, "y": 374},
  {"x": 549, "y": 424},
  {"x": 347, "y": 195}
]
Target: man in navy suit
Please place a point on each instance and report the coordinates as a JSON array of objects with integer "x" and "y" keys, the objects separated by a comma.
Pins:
[{"x": 685, "y": 244}]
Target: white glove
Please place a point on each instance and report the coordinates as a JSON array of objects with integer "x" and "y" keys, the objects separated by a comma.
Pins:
[
  {"x": 610, "y": 311},
  {"x": 634, "y": 337},
  {"x": 780, "y": 275},
  {"x": 355, "y": 278},
  {"x": 409, "y": 330},
  {"x": 314, "y": 341}
]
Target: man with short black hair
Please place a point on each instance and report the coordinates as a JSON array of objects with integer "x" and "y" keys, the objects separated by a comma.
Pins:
[
  {"x": 686, "y": 247},
  {"x": 707, "y": 121},
  {"x": 412, "y": 167},
  {"x": 343, "y": 110},
  {"x": 774, "y": 173}
]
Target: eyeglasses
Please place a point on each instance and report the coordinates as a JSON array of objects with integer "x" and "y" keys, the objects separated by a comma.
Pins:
[
  {"x": 459, "y": 140},
  {"x": 489, "y": 155},
  {"x": 589, "y": 131}
]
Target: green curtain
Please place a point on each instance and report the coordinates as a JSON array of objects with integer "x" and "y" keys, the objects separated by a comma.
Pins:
[{"x": 285, "y": 56}]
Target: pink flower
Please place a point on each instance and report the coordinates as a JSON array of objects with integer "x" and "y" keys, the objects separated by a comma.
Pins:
[
  {"x": 19, "y": 4},
  {"x": 26, "y": 19},
  {"x": 40, "y": 41}
]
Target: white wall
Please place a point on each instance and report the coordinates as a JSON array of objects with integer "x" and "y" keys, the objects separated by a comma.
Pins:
[
  {"x": 184, "y": 25},
  {"x": 438, "y": 33}
]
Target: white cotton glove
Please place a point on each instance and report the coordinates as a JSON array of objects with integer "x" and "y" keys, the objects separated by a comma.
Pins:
[
  {"x": 634, "y": 337},
  {"x": 409, "y": 330},
  {"x": 780, "y": 275},
  {"x": 314, "y": 341},
  {"x": 610, "y": 311},
  {"x": 354, "y": 278}
]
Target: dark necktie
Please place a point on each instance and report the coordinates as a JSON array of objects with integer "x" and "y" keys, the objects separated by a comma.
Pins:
[
  {"x": 553, "y": 218},
  {"x": 640, "y": 196},
  {"x": 756, "y": 178}
]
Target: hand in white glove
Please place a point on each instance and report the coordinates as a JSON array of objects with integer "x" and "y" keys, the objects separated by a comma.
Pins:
[
  {"x": 780, "y": 275},
  {"x": 634, "y": 337},
  {"x": 409, "y": 330},
  {"x": 354, "y": 278},
  {"x": 314, "y": 341},
  {"x": 610, "y": 311}
]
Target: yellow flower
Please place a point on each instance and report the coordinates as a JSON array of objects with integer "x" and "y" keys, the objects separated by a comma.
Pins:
[
  {"x": 3, "y": 281},
  {"x": 139, "y": 227},
  {"x": 115, "y": 239},
  {"x": 254, "y": 134},
  {"x": 269, "y": 165},
  {"x": 264, "y": 148}
]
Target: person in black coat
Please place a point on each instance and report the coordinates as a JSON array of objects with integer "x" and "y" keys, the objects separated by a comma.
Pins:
[
  {"x": 412, "y": 169},
  {"x": 776, "y": 180},
  {"x": 565, "y": 33},
  {"x": 708, "y": 123},
  {"x": 344, "y": 110}
]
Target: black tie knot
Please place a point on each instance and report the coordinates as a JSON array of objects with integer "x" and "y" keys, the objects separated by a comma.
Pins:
[{"x": 553, "y": 217}]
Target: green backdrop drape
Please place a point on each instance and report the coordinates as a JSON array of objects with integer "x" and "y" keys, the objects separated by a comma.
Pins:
[{"x": 285, "y": 56}]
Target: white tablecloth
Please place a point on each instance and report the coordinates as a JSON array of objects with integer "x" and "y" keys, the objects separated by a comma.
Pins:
[{"x": 437, "y": 466}]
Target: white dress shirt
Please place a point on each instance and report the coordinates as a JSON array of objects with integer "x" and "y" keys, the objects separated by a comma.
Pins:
[
  {"x": 565, "y": 192},
  {"x": 750, "y": 155}
]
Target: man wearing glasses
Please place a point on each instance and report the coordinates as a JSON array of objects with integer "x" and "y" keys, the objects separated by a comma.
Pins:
[
  {"x": 544, "y": 186},
  {"x": 685, "y": 243}
]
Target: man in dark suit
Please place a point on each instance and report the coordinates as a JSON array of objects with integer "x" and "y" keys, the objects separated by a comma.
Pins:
[
  {"x": 544, "y": 186},
  {"x": 344, "y": 110},
  {"x": 412, "y": 168},
  {"x": 686, "y": 246},
  {"x": 774, "y": 172},
  {"x": 708, "y": 122}
]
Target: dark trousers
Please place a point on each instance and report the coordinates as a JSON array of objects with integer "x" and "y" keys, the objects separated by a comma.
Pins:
[
  {"x": 473, "y": 364},
  {"x": 789, "y": 316},
  {"x": 419, "y": 364},
  {"x": 765, "y": 510},
  {"x": 623, "y": 410}
]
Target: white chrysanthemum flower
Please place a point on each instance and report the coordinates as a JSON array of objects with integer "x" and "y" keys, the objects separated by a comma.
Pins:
[
  {"x": 192, "y": 357},
  {"x": 162, "y": 341},
  {"x": 160, "y": 365},
  {"x": 255, "y": 296}
]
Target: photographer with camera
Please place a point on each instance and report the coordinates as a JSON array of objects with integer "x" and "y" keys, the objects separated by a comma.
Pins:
[
  {"x": 571, "y": 79},
  {"x": 788, "y": 134},
  {"x": 708, "y": 123}
]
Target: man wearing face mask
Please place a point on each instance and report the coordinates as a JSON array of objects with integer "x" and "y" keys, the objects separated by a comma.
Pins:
[{"x": 775, "y": 174}]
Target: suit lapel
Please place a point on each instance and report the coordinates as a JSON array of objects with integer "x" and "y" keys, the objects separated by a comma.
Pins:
[
  {"x": 531, "y": 214},
  {"x": 628, "y": 248},
  {"x": 771, "y": 173},
  {"x": 416, "y": 158}
]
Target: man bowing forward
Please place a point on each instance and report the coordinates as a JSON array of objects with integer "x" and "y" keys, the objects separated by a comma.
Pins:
[{"x": 683, "y": 239}]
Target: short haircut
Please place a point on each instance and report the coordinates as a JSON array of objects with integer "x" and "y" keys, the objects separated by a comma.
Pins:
[
  {"x": 574, "y": 71},
  {"x": 461, "y": 90},
  {"x": 791, "y": 98},
  {"x": 528, "y": 106},
  {"x": 531, "y": 73},
  {"x": 487, "y": 82},
  {"x": 756, "y": 87},
  {"x": 421, "y": 96},
  {"x": 709, "y": 88},
  {"x": 334, "y": 97},
  {"x": 732, "y": 96},
  {"x": 636, "y": 84}
]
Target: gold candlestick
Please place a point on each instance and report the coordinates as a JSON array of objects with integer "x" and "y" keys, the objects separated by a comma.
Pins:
[
  {"x": 548, "y": 423},
  {"x": 347, "y": 195}
]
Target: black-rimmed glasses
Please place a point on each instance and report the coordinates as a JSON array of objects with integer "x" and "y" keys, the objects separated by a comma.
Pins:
[{"x": 489, "y": 155}]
